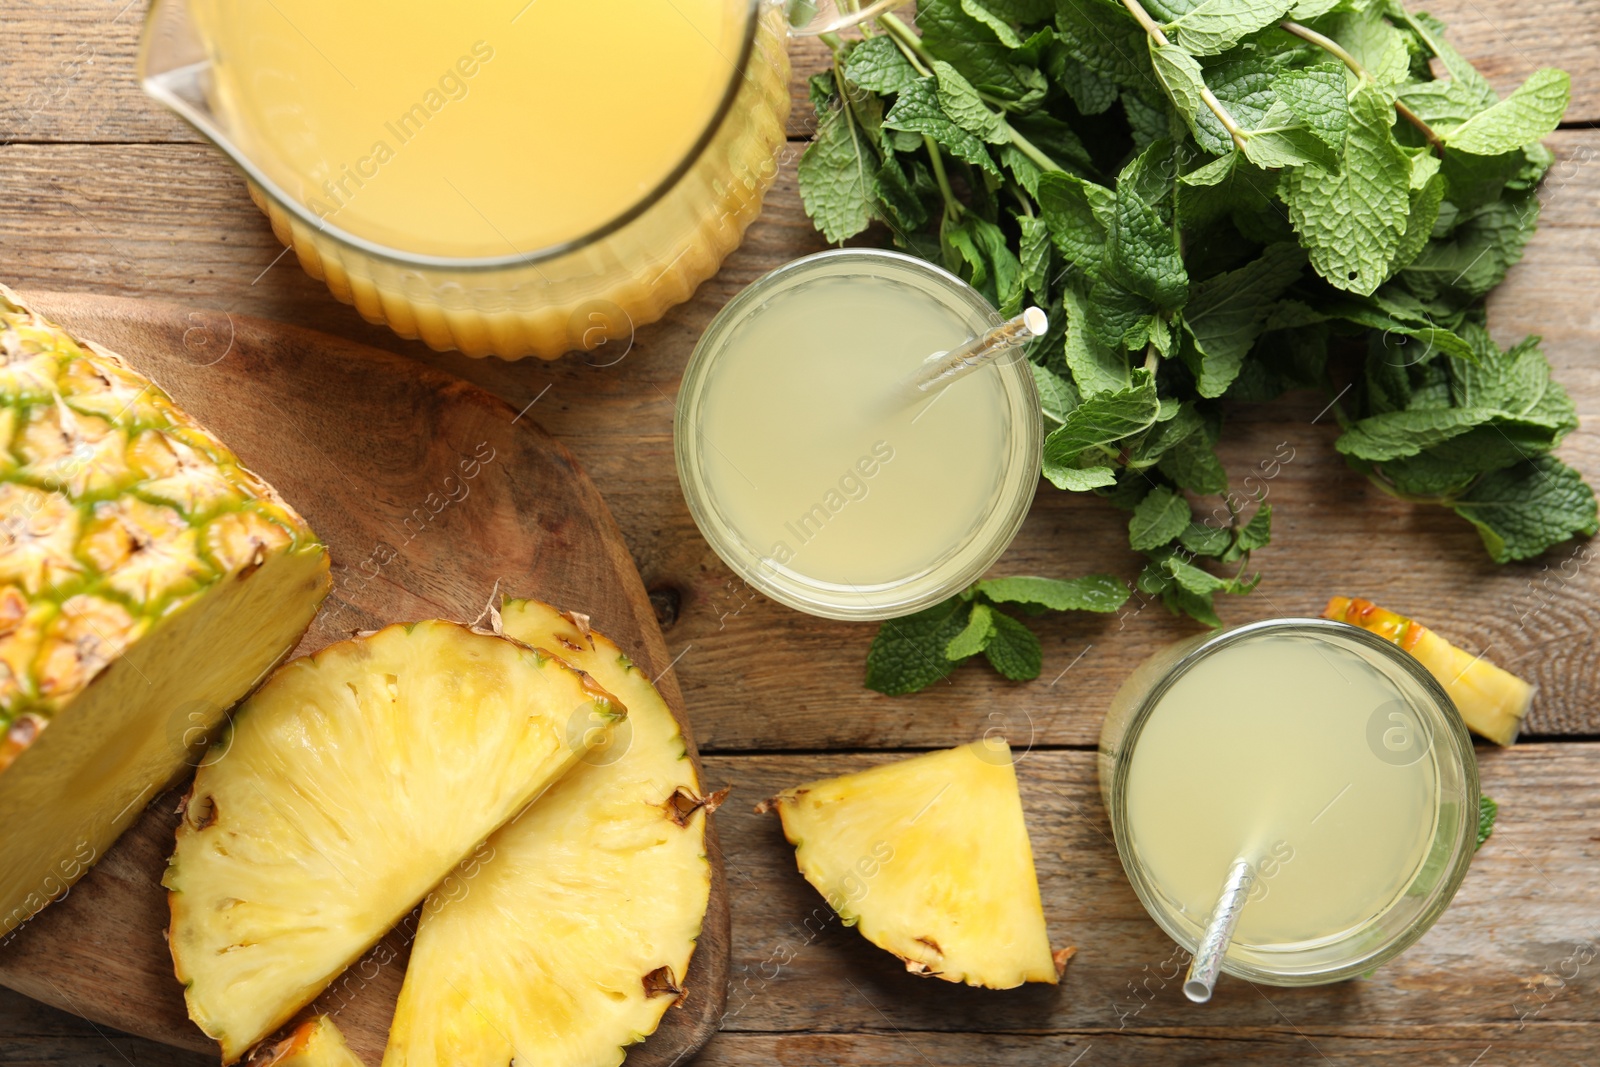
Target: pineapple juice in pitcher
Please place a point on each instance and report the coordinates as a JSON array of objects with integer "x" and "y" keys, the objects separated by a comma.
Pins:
[{"x": 500, "y": 176}]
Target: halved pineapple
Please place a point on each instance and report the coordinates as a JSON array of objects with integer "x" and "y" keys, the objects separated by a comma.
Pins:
[
  {"x": 1492, "y": 701},
  {"x": 350, "y": 784},
  {"x": 147, "y": 582},
  {"x": 314, "y": 1043},
  {"x": 930, "y": 857},
  {"x": 571, "y": 939}
]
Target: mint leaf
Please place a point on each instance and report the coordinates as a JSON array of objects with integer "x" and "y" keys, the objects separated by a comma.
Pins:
[
  {"x": 1099, "y": 421},
  {"x": 1205, "y": 540},
  {"x": 1227, "y": 312},
  {"x": 1079, "y": 215},
  {"x": 1094, "y": 592},
  {"x": 1102, "y": 37},
  {"x": 917, "y": 110},
  {"x": 1159, "y": 518},
  {"x": 1516, "y": 382},
  {"x": 1222, "y": 187},
  {"x": 1257, "y": 532},
  {"x": 1034, "y": 253},
  {"x": 1095, "y": 368},
  {"x": 1475, "y": 258},
  {"x": 838, "y": 174},
  {"x": 1180, "y": 76},
  {"x": 909, "y": 654},
  {"x": 1420, "y": 220},
  {"x": 1057, "y": 396},
  {"x": 877, "y": 64},
  {"x": 1217, "y": 25},
  {"x": 1351, "y": 221},
  {"x": 1014, "y": 650},
  {"x": 1195, "y": 468},
  {"x": 1142, "y": 254},
  {"x": 1396, "y": 434},
  {"x": 966, "y": 108},
  {"x": 1244, "y": 87},
  {"x": 994, "y": 22},
  {"x": 1530, "y": 113},
  {"x": 970, "y": 46},
  {"x": 1376, "y": 45},
  {"x": 1316, "y": 96},
  {"x": 1281, "y": 141},
  {"x": 976, "y": 634},
  {"x": 1487, "y": 811},
  {"x": 1525, "y": 509}
]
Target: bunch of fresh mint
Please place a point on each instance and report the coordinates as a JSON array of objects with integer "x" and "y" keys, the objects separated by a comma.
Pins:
[{"x": 1209, "y": 196}]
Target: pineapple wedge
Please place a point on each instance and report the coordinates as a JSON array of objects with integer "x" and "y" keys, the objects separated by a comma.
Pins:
[
  {"x": 570, "y": 939},
  {"x": 315, "y": 1043},
  {"x": 349, "y": 786},
  {"x": 1492, "y": 701},
  {"x": 147, "y": 582},
  {"x": 930, "y": 857}
]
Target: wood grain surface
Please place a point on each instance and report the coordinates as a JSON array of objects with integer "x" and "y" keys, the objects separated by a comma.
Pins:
[
  {"x": 1508, "y": 974},
  {"x": 432, "y": 494},
  {"x": 104, "y": 192}
]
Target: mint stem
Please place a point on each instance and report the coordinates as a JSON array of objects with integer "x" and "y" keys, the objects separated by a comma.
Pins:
[
  {"x": 1157, "y": 34},
  {"x": 1329, "y": 45}
]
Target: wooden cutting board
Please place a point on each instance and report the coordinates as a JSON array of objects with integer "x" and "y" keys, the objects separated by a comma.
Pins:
[{"x": 368, "y": 447}]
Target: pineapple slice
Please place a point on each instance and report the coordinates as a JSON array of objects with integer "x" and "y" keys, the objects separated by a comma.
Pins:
[
  {"x": 571, "y": 939},
  {"x": 1492, "y": 701},
  {"x": 349, "y": 786},
  {"x": 930, "y": 857},
  {"x": 147, "y": 582},
  {"x": 315, "y": 1043}
]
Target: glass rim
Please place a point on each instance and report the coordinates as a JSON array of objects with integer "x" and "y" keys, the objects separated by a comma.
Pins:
[
  {"x": 204, "y": 124},
  {"x": 1448, "y": 722},
  {"x": 813, "y": 598}
]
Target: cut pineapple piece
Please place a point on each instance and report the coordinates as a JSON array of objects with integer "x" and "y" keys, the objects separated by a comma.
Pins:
[
  {"x": 351, "y": 784},
  {"x": 571, "y": 939},
  {"x": 316, "y": 1043},
  {"x": 124, "y": 634},
  {"x": 930, "y": 857},
  {"x": 1492, "y": 701}
]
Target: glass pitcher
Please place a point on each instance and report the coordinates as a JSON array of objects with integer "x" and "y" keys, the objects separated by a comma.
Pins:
[{"x": 650, "y": 171}]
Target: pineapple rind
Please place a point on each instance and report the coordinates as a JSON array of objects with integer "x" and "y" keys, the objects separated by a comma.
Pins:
[
  {"x": 315, "y": 1043},
  {"x": 539, "y": 950},
  {"x": 350, "y": 784},
  {"x": 929, "y": 858},
  {"x": 1491, "y": 700},
  {"x": 76, "y": 517},
  {"x": 122, "y": 644}
]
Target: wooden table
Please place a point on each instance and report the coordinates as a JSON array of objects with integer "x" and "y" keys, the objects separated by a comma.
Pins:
[{"x": 103, "y": 191}]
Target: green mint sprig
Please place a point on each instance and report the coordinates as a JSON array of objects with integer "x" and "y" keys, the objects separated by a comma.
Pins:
[
  {"x": 1219, "y": 201},
  {"x": 916, "y": 651},
  {"x": 1487, "y": 810}
]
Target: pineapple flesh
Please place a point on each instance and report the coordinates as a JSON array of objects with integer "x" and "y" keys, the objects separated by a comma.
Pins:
[
  {"x": 350, "y": 785},
  {"x": 569, "y": 937},
  {"x": 929, "y": 857},
  {"x": 147, "y": 582},
  {"x": 315, "y": 1043},
  {"x": 1492, "y": 701}
]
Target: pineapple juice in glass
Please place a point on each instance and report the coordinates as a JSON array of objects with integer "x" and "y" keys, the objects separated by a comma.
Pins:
[
  {"x": 810, "y": 469},
  {"x": 1323, "y": 757},
  {"x": 506, "y": 177}
]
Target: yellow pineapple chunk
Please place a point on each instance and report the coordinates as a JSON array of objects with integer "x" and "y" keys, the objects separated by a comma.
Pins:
[
  {"x": 929, "y": 856},
  {"x": 123, "y": 641},
  {"x": 350, "y": 785},
  {"x": 1492, "y": 701},
  {"x": 315, "y": 1043},
  {"x": 569, "y": 937}
]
